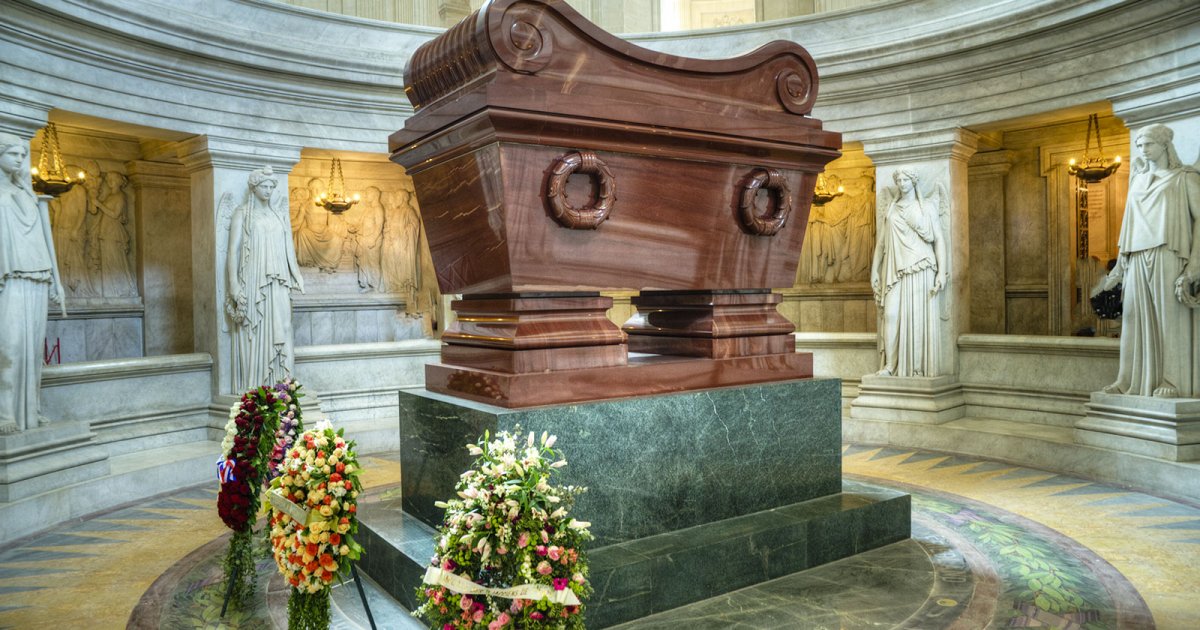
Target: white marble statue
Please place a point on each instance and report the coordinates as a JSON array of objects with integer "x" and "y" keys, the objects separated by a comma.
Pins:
[
  {"x": 368, "y": 240},
  {"x": 262, "y": 271},
  {"x": 28, "y": 276},
  {"x": 908, "y": 273},
  {"x": 1159, "y": 265}
]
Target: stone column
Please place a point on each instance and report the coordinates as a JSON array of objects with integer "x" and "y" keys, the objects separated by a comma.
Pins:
[
  {"x": 217, "y": 166},
  {"x": 940, "y": 160},
  {"x": 986, "y": 177},
  {"x": 163, "y": 230},
  {"x": 1164, "y": 428}
]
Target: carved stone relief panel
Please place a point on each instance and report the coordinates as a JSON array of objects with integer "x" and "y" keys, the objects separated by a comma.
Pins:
[
  {"x": 93, "y": 222},
  {"x": 832, "y": 290},
  {"x": 367, "y": 259},
  {"x": 95, "y": 237},
  {"x": 841, "y": 234}
]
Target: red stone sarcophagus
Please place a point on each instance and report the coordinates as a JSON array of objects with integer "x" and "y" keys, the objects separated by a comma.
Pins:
[{"x": 552, "y": 160}]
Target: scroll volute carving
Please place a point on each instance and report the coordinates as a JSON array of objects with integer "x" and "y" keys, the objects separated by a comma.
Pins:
[
  {"x": 592, "y": 215},
  {"x": 797, "y": 86},
  {"x": 772, "y": 181},
  {"x": 520, "y": 42}
]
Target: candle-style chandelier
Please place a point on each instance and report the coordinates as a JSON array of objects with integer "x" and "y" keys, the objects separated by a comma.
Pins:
[
  {"x": 1093, "y": 168},
  {"x": 827, "y": 189},
  {"x": 336, "y": 200},
  {"x": 50, "y": 176}
]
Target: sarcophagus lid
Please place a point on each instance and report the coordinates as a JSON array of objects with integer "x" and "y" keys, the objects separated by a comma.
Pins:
[{"x": 548, "y": 155}]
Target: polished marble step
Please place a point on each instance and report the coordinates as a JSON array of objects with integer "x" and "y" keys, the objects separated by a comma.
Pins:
[
  {"x": 1038, "y": 445},
  {"x": 649, "y": 575}
]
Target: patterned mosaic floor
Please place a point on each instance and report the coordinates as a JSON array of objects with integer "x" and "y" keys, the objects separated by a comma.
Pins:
[{"x": 994, "y": 545}]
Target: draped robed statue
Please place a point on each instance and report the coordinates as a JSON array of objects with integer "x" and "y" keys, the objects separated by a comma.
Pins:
[
  {"x": 908, "y": 274},
  {"x": 28, "y": 277},
  {"x": 1159, "y": 267},
  {"x": 262, "y": 272}
]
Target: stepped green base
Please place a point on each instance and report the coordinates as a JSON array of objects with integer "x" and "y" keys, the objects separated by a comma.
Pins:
[
  {"x": 690, "y": 495},
  {"x": 641, "y": 577}
]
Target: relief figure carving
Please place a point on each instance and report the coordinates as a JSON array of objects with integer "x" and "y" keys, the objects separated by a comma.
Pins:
[
  {"x": 368, "y": 240},
  {"x": 400, "y": 258},
  {"x": 113, "y": 244},
  {"x": 69, "y": 214},
  {"x": 840, "y": 238},
  {"x": 319, "y": 238}
]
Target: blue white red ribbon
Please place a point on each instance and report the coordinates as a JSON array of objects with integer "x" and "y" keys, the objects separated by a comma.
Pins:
[{"x": 225, "y": 470}]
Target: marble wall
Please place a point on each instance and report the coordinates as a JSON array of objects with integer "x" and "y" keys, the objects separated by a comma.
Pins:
[
  {"x": 1039, "y": 268},
  {"x": 614, "y": 16}
]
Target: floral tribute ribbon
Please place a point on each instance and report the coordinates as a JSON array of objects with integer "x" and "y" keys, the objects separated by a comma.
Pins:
[
  {"x": 287, "y": 506},
  {"x": 225, "y": 470},
  {"x": 459, "y": 584}
]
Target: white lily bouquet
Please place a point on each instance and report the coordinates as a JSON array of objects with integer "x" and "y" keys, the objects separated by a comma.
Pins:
[{"x": 508, "y": 553}]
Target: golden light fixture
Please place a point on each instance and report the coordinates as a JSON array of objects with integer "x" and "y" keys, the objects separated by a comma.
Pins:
[
  {"x": 50, "y": 175},
  {"x": 1093, "y": 168},
  {"x": 827, "y": 189},
  {"x": 336, "y": 200}
]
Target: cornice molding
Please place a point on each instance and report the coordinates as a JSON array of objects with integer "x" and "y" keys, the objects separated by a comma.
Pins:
[
  {"x": 22, "y": 117},
  {"x": 202, "y": 152},
  {"x": 1162, "y": 104},
  {"x": 947, "y": 144}
]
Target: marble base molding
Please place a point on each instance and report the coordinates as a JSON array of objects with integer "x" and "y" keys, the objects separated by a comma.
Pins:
[
  {"x": 48, "y": 457},
  {"x": 657, "y": 573},
  {"x": 1164, "y": 428},
  {"x": 641, "y": 376},
  {"x": 912, "y": 399}
]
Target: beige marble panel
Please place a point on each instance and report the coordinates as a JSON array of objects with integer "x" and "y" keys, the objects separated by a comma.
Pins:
[
  {"x": 986, "y": 175},
  {"x": 163, "y": 230},
  {"x": 1026, "y": 316}
]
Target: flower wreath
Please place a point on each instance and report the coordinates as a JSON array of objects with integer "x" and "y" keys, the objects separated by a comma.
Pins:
[
  {"x": 508, "y": 555},
  {"x": 247, "y": 461},
  {"x": 314, "y": 502}
]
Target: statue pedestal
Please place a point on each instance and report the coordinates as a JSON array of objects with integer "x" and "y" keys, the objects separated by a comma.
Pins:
[
  {"x": 28, "y": 458},
  {"x": 915, "y": 399},
  {"x": 1165, "y": 428},
  {"x": 691, "y": 495}
]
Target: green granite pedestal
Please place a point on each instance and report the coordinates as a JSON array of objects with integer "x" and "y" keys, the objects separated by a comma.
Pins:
[{"x": 691, "y": 495}]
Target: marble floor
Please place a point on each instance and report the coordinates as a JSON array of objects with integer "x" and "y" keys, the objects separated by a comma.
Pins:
[{"x": 994, "y": 545}]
